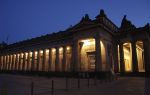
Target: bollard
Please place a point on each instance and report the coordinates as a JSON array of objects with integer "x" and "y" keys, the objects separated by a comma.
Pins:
[
  {"x": 52, "y": 87},
  {"x": 78, "y": 82},
  {"x": 101, "y": 81},
  {"x": 88, "y": 82},
  {"x": 32, "y": 88},
  {"x": 95, "y": 81},
  {"x": 67, "y": 84}
]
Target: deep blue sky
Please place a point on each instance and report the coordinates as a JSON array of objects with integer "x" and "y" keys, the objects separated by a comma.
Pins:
[{"x": 25, "y": 19}]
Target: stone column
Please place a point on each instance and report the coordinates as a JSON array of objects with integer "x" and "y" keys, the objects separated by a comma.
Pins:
[
  {"x": 0, "y": 62},
  {"x": 146, "y": 46},
  {"x": 33, "y": 60},
  {"x": 50, "y": 60},
  {"x": 9, "y": 66},
  {"x": 116, "y": 63},
  {"x": 6, "y": 59},
  {"x": 19, "y": 66},
  {"x": 98, "y": 58},
  {"x": 75, "y": 57},
  {"x": 44, "y": 59},
  {"x": 12, "y": 66},
  {"x": 122, "y": 64},
  {"x": 24, "y": 61},
  {"x": 38, "y": 60},
  {"x": 28, "y": 61},
  {"x": 2, "y": 65},
  {"x": 64, "y": 59},
  {"x": 57, "y": 60},
  {"x": 5, "y": 63},
  {"x": 134, "y": 57},
  {"x": 8, "y": 62},
  {"x": 16, "y": 61}
]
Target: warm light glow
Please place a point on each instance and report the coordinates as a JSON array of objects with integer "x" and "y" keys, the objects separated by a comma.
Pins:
[
  {"x": 41, "y": 51},
  {"x": 101, "y": 43},
  {"x": 68, "y": 48},
  {"x": 60, "y": 49},
  {"x": 125, "y": 43},
  {"x": 88, "y": 42},
  {"x": 22, "y": 54},
  {"x": 127, "y": 56},
  {"x": 47, "y": 51},
  {"x": 26, "y": 53},
  {"x": 35, "y": 52},
  {"x": 118, "y": 46},
  {"x": 53, "y": 50},
  {"x": 30, "y": 53},
  {"x": 126, "y": 51}
]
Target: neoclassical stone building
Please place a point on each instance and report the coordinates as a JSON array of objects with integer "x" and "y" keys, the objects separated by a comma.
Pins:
[{"x": 89, "y": 46}]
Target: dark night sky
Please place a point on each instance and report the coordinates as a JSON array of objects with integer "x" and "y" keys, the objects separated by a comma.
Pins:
[{"x": 24, "y": 19}]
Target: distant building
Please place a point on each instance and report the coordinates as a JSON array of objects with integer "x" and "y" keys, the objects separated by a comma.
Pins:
[{"x": 89, "y": 46}]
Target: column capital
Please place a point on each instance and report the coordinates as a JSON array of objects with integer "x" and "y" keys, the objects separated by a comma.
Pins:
[
  {"x": 97, "y": 36},
  {"x": 133, "y": 41},
  {"x": 50, "y": 49},
  {"x": 121, "y": 43},
  {"x": 64, "y": 46}
]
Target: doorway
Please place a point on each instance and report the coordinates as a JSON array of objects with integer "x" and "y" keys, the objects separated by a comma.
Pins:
[{"x": 91, "y": 61}]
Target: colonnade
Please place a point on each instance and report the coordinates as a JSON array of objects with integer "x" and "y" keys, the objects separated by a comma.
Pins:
[
  {"x": 135, "y": 57},
  {"x": 57, "y": 58},
  {"x": 37, "y": 60}
]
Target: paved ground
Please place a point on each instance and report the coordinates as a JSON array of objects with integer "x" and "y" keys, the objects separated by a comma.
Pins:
[{"x": 21, "y": 85}]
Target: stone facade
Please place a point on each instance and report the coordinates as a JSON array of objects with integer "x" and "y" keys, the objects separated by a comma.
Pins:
[{"x": 89, "y": 46}]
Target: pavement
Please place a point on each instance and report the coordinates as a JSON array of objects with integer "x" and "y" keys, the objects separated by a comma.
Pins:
[{"x": 25, "y": 85}]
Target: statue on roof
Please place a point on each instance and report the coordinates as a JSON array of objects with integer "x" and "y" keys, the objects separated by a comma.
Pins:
[
  {"x": 101, "y": 14},
  {"x": 85, "y": 18},
  {"x": 126, "y": 24}
]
